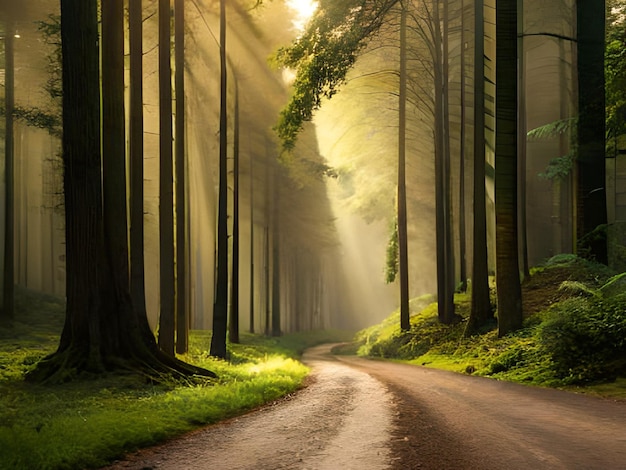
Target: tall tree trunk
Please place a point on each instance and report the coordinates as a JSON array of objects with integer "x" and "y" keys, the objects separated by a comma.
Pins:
[
  {"x": 507, "y": 251},
  {"x": 268, "y": 294},
  {"x": 8, "y": 290},
  {"x": 137, "y": 269},
  {"x": 403, "y": 256},
  {"x": 448, "y": 210},
  {"x": 114, "y": 144},
  {"x": 276, "y": 263},
  {"x": 462, "y": 229},
  {"x": 102, "y": 331},
  {"x": 251, "y": 243},
  {"x": 521, "y": 132},
  {"x": 480, "y": 312},
  {"x": 233, "y": 326},
  {"x": 166, "y": 182},
  {"x": 220, "y": 307},
  {"x": 445, "y": 295},
  {"x": 592, "y": 213},
  {"x": 182, "y": 317}
]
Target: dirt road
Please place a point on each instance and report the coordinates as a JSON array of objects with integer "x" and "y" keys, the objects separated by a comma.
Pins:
[{"x": 370, "y": 415}]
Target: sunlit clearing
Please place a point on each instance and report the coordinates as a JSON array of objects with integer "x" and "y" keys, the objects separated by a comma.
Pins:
[
  {"x": 273, "y": 364},
  {"x": 303, "y": 10}
]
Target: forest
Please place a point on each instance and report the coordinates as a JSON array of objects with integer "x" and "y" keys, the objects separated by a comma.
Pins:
[{"x": 195, "y": 191}]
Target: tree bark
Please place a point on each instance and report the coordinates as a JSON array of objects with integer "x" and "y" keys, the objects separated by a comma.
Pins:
[
  {"x": 233, "y": 326},
  {"x": 592, "y": 212},
  {"x": 137, "y": 269},
  {"x": 166, "y": 192},
  {"x": 114, "y": 145},
  {"x": 8, "y": 290},
  {"x": 403, "y": 256},
  {"x": 102, "y": 332},
  {"x": 182, "y": 317},
  {"x": 480, "y": 313},
  {"x": 507, "y": 251},
  {"x": 220, "y": 307}
]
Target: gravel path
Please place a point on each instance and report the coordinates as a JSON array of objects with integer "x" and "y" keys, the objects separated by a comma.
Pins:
[
  {"x": 373, "y": 415},
  {"x": 342, "y": 420}
]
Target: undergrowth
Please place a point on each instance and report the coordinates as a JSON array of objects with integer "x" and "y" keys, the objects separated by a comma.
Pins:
[
  {"x": 87, "y": 424},
  {"x": 574, "y": 332}
]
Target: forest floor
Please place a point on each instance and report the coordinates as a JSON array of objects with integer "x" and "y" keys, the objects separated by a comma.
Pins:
[
  {"x": 342, "y": 419},
  {"x": 365, "y": 414}
]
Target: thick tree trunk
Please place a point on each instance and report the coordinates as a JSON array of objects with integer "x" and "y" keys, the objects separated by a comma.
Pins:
[
  {"x": 114, "y": 146},
  {"x": 102, "y": 331},
  {"x": 137, "y": 270},
  {"x": 220, "y": 307},
  {"x": 480, "y": 313},
  {"x": 592, "y": 214},
  {"x": 507, "y": 252}
]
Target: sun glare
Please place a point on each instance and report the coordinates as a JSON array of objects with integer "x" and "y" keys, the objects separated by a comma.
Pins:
[{"x": 303, "y": 10}]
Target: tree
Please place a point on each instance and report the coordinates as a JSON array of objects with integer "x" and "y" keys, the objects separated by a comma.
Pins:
[
  {"x": 507, "y": 253},
  {"x": 182, "y": 319},
  {"x": 102, "y": 332},
  {"x": 135, "y": 136},
  {"x": 403, "y": 256},
  {"x": 8, "y": 290},
  {"x": 591, "y": 129},
  {"x": 615, "y": 72},
  {"x": 335, "y": 36},
  {"x": 480, "y": 312},
  {"x": 445, "y": 262},
  {"x": 114, "y": 144},
  {"x": 220, "y": 306},
  {"x": 233, "y": 326},
  {"x": 166, "y": 180}
]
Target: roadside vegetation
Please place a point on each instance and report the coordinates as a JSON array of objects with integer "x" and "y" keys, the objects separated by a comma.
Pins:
[
  {"x": 89, "y": 423},
  {"x": 574, "y": 333}
]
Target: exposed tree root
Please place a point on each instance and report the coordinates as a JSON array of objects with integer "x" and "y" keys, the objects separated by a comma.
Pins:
[{"x": 155, "y": 366}]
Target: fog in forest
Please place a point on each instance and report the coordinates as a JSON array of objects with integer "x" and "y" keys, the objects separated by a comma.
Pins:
[
  {"x": 330, "y": 205},
  {"x": 332, "y": 260}
]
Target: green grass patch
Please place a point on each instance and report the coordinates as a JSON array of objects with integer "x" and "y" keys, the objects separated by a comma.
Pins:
[
  {"x": 89, "y": 423},
  {"x": 574, "y": 334}
]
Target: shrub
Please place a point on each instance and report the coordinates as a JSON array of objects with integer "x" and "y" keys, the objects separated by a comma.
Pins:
[{"x": 586, "y": 338}]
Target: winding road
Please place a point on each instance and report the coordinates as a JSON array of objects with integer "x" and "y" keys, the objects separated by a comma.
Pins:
[{"x": 370, "y": 415}]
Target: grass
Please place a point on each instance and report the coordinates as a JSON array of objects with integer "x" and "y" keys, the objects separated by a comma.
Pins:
[
  {"x": 87, "y": 424},
  {"x": 574, "y": 333}
]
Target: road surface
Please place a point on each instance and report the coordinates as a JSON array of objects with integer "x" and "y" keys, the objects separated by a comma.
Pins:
[{"x": 371, "y": 415}]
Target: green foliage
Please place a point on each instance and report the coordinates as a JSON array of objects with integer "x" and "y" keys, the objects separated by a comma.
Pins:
[
  {"x": 40, "y": 119},
  {"x": 615, "y": 71},
  {"x": 392, "y": 264},
  {"x": 553, "y": 129},
  {"x": 558, "y": 167},
  {"x": 615, "y": 286},
  {"x": 586, "y": 338},
  {"x": 578, "y": 289},
  {"x": 578, "y": 337},
  {"x": 322, "y": 57}
]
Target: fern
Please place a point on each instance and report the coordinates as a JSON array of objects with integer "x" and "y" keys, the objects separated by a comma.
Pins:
[{"x": 553, "y": 129}]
